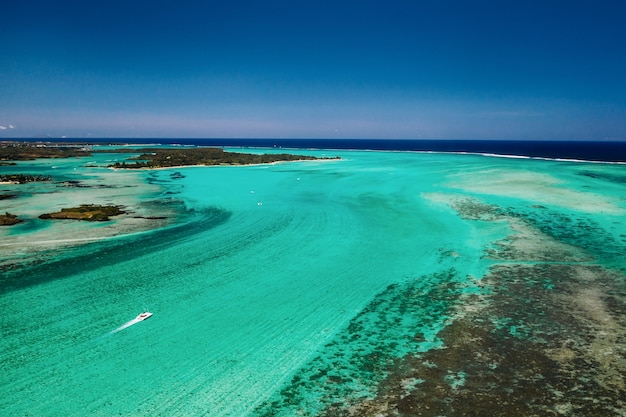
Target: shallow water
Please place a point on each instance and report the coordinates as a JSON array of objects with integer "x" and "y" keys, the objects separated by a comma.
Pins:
[{"x": 276, "y": 289}]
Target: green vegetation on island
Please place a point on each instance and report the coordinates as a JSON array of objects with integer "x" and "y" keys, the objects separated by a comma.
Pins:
[
  {"x": 87, "y": 212},
  {"x": 26, "y": 151},
  {"x": 148, "y": 158},
  {"x": 8, "y": 219},
  {"x": 140, "y": 158},
  {"x": 168, "y": 157},
  {"x": 23, "y": 178}
]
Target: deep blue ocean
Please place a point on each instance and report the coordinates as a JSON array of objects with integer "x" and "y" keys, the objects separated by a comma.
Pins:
[{"x": 610, "y": 151}]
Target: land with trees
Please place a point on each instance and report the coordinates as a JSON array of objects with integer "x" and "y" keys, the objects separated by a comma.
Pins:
[
  {"x": 139, "y": 158},
  {"x": 168, "y": 157},
  {"x": 87, "y": 212},
  {"x": 27, "y": 151},
  {"x": 148, "y": 157},
  {"x": 8, "y": 219},
  {"x": 23, "y": 178}
]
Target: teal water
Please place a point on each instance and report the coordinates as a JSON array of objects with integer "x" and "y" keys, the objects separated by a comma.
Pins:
[{"x": 272, "y": 276}]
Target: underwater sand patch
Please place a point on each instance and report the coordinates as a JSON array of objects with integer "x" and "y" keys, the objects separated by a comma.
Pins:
[
  {"x": 536, "y": 187},
  {"x": 529, "y": 244},
  {"x": 525, "y": 243}
]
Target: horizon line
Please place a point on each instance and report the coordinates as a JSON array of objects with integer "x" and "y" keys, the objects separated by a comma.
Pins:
[{"x": 105, "y": 138}]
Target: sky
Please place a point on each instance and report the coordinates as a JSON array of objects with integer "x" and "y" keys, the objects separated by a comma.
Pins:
[{"x": 445, "y": 69}]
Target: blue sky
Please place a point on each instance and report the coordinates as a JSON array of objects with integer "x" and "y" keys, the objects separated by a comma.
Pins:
[{"x": 327, "y": 69}]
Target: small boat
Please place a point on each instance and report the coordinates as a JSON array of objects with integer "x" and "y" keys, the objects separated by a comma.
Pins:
[{"x": 143, "y": 316}]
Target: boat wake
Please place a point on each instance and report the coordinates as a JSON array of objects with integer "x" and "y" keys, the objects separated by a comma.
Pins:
[{"x": 143, "y": 316}]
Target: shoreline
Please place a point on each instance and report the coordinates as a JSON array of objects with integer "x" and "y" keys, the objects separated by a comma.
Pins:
[{"x": 223, "y": 165}]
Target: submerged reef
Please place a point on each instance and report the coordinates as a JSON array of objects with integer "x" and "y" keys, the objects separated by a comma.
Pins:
[
  {"x": 401, "y": 319},
  {"x": 543, "y": 333},
  {"x": 546, "y": 336},
  {"x": 544, "y": 341}
]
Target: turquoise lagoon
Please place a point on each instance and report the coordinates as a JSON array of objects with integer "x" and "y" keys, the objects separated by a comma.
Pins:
[{"x": 278, "y": 289}]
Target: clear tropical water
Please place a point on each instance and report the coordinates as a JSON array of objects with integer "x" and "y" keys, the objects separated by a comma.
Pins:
[{"x": 276, "y": 289}]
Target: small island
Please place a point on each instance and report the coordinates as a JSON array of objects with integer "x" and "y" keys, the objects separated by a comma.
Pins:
[
  {"x": 86, "y": 212},
  {"x": 168, "y": 157},
  {"x": 26, "y": 151},
  {"x": 22, "y": 178},
  {"x": 148, "y": 158},
  {"x": 8, "y": 219}
]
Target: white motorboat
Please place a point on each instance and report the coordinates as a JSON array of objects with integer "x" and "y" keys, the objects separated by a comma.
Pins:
[
  {"x": 143, "y": 316},
  {"x": 140, "y": 317}
]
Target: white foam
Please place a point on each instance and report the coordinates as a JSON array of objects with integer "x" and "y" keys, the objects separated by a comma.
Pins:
[
  {"x": 495, "y": 155},
  {"x": 126, "y": 325}
]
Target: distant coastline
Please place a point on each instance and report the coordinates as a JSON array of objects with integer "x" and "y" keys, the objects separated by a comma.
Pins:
[
  {"x": 587, "y": 151},
  {"x": 152, "y": 158},
  {"x": 148, "y": 158},
  {"x": 135, "y": 158}
]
